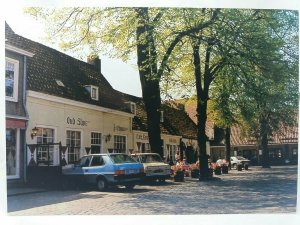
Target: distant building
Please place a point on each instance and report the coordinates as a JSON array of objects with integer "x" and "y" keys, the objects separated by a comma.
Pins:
[
  {"x": 176, "y": 126},
  {"x": 283, "y": 146}
]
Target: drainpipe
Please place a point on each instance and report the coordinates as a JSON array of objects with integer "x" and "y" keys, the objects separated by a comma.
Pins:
[{"x": 27, "y": 116}]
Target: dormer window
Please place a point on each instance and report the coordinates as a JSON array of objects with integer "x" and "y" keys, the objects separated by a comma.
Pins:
[
  {"x": 94, "y": 91},
  {"x": 132, "y": 107}
]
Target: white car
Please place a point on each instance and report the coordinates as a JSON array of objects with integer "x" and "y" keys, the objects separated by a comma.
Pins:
[
  {"x": 154, "y": 166},
  {"x": 239, "y": 160}
]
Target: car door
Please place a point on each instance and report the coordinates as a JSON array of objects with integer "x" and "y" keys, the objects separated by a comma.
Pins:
[{"x": 97, "y": 166}]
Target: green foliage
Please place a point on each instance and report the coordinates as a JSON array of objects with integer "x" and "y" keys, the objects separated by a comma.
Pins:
[{"x": 252, "y": 72}]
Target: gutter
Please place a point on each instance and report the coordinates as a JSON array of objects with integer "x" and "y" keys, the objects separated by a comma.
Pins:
[{"x": 27, "y": 116}]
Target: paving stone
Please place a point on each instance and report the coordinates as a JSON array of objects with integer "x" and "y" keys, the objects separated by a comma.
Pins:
[{"x": 239, "y": 192}]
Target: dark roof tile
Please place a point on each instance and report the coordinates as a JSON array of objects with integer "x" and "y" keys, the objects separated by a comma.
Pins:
[
  {"x": 49, "y": 65},
  {"x": 176, "y": 121}
]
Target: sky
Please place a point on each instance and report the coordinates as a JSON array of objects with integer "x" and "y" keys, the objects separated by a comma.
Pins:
[{"x": 122, "y": 76}]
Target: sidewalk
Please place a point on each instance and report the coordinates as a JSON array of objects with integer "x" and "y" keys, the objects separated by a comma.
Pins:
[{"x": 14, "y": 191}]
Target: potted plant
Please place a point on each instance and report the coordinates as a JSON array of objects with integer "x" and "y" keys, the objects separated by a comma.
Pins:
[
  {"x": 216, "y": 168},
  {"x": 195, "y": 170},
  {"x": 178, "y": 173}
]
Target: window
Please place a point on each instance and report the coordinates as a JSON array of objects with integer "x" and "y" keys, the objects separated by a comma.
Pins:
[
  {"x": 95, "y": 142},
  {"x": 45, "y": 152},
  {"x": 84, "y": 161},
  {"x": 97, "y": 161},
  {"x": 11, "y": 79},
  {"x": 133, "y": 108},
  {"x": 12, "y": 163},
  {"x": 120, "y": 143},
  {"x": 171, "y": 152},
  {"x": 74, "y": 143},
  {"x": 94, "y": 91},
  {"x": 120, "y": 158},
  {"x": 145, "y": 147}
]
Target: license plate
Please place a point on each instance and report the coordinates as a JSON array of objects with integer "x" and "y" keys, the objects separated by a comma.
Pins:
[{"x": 131, "y": 171}]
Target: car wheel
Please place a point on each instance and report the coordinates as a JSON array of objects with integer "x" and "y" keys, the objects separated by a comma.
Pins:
[
  {"x": 129, "y": 186},
  {"x": 101, "y": 184},
  {"x": 234, "y": 166}
]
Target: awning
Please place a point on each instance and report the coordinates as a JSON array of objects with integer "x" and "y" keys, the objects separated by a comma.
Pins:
[{"x": 15, "y": 123}]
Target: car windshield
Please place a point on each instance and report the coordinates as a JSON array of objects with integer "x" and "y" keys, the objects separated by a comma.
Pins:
[
  {"x": 122, "y": 158},
  {"x": 150, "y": 158},
  {"x": 240, "y": 157}
]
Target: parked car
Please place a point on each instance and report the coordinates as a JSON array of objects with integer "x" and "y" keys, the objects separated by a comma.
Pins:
[
  {"x": 239, "y": 160},
  {"x": 105, "y": 169},
  {"x": 154, "y": 166}
]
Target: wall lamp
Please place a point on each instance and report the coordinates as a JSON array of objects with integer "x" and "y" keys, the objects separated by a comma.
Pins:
[
  {"x": 34, "y": 132},
  {"x": 107, "y": 138}
]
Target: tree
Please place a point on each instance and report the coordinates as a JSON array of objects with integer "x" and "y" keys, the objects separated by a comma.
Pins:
[
  {"x": 126, "y": 29},
  {"x": 223, "y": 105},
  {"x": 246, "y": 45},
  {"x": 268, "y": 101}
]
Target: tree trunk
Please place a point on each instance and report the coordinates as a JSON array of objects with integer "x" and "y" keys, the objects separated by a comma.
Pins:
[
  {"x": 264, "y": 143},
  {"x": 202, "y": 97},
  {"x": 227, "y": 145},
  {"x": 146, "y": 60}
]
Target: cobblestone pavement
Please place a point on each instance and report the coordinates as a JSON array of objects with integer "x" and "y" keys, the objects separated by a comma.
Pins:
[{"x": 239, "y": 192}]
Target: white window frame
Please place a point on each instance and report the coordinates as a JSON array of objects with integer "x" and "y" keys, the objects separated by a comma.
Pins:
[
  {"x": 115, "y": 135},
  {"x": 171, "y": 150},
  {"x": 79, "y": 151},
  {"x": 95, "y": 90},
  {"x": 52, "y": 151},
  {"x": 133, "y": 108},
  {"x": 14, "y": 98},
  {"x": 90, "y": 89},
  {"x": 101, "y": 142}
]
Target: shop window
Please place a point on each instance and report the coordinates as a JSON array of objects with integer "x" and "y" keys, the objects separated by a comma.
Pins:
[
  {"x": 119, "y": 143},
  {"x": 12, "y": 162},
  {"x": 11, "y": 79},
  {"x": 271, "y": 154},
  {"x": 95, "y": 142},
  {"x": 74, "y": 143},
  {"x": 45, "y": 136}
]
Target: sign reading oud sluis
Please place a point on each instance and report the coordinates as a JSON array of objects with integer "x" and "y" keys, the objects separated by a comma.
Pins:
[{"x": 78, "y": 121}]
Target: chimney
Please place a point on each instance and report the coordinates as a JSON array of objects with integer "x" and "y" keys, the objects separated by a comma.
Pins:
[{"x": 95, "y": 61}]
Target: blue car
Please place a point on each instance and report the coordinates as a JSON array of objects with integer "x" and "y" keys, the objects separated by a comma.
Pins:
[{"x": 104, "y": 170}]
